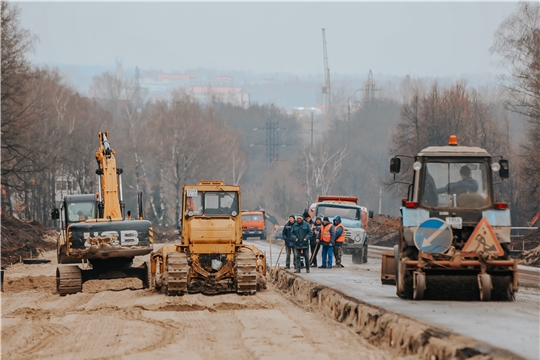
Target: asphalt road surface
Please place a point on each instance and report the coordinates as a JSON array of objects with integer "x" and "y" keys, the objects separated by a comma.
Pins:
[{"x": 510, "y": 325}]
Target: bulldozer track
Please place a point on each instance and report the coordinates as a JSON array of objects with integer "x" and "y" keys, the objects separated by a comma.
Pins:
[
  {"x": 246, "y": 272},
  {"x": 177, "y": 273},
  {"x": 68, "y": 279}
]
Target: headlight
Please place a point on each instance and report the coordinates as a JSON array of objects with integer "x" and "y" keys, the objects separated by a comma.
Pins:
[
  {"x": 190, "y": 213},
  {"x": 234, "y": 213},
  {"x": 357, "y": 238},
  {"x": 495, "y": 167}
]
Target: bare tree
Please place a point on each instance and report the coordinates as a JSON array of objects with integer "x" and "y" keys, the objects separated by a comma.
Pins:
[
  {"x": 517, "y": 41},
  {"x": 322, "y": 168},
  {"x": 16, "y": 73}
]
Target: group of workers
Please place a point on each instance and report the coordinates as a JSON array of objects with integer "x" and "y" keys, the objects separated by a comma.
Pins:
[{"x": 303, "y": 236}]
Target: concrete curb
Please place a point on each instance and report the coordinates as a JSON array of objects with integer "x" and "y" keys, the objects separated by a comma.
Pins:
[{"x": 393, "y": 332}]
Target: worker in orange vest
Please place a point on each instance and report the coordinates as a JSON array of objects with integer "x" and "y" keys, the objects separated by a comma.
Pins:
[
  {"x": 338, "y": 233},
  {"x": 326, "y": 242}
]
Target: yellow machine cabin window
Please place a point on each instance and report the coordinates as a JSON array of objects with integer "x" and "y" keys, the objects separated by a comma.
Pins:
[{"x": 213, "y": 203}]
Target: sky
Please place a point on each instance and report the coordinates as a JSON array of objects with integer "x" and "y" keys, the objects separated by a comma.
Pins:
[{"x": 433, "y": 39}]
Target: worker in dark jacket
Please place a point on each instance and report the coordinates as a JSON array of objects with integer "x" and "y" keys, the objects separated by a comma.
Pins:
[
  {"x": 289, "y": 243},
  {"x": 301, "y": 233},
  {"x": 338, "y": 234},
  {"x": 309, "y": 220},
  {"x": 315, "y": 238},
  {"x": 466, "y": 184}
]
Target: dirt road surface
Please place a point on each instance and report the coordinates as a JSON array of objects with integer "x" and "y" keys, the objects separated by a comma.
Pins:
[
  {"x": 116, "y": 319},
  {"x": 514, "y": 326}
]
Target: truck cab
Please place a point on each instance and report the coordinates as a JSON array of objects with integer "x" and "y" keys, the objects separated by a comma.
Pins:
[
  {"x": 253, "y": 224},
  {"x": 354, "y": 219}
]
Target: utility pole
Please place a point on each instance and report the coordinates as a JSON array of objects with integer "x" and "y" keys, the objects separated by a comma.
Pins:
[
  {"x": 137, "y": 88},
  {"x": 271, "y": 141},
  {"x": 327, "y": 89},
  {"x": 312, "y": 129},
  {"x": 380, "y": 198}
]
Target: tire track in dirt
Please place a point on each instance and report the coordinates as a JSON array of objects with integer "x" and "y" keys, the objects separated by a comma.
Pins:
[{"x": 106, "y": 322}]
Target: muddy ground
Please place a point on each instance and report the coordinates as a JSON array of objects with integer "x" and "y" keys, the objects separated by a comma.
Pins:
[{"x": 117, "y": 319}]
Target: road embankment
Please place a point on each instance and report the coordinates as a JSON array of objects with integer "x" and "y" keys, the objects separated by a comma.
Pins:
[{"x": 393, "y": 332}]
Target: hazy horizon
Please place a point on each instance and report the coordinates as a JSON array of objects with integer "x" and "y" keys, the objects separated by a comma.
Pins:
[{"x": 417, "y": 39}]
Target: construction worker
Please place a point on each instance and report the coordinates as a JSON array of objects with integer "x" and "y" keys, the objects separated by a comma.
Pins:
[
  {"x": 326, "y": 243},
  {"x": 301, "y": 233},
  {"x": 338, "y": 233},
  {"x": 315, "y": 239},
  {"x": 309, "y": 220},
  {"x": 289, "y": 243}
]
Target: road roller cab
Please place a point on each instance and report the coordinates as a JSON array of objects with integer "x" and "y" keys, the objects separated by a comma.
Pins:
[{"x": 454, "y": 236}]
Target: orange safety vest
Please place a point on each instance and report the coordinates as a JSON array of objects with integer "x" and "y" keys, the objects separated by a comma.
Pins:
[
  {"x": 325, "y": 234},
  {"x": 342, "y": 237}
]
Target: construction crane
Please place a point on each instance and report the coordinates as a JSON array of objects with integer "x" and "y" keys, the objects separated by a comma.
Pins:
[{"x": 327, "y": 89}]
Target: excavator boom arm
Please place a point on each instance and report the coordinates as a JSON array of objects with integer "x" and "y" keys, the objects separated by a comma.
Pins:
[{"x": 110, "y": 188}]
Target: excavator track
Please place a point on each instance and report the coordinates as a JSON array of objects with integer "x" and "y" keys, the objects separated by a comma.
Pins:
[
  {"x": 177, "y": 273},
  {"x": 68, "y": 279},
  {"x": 246, "y": 272}
]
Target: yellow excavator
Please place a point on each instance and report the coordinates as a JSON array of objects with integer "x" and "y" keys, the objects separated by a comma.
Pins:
[
  {"x": 96, "y": 230},
  {"x": 210, "y": 257}
]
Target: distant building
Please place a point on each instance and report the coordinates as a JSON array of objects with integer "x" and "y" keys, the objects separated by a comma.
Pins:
[
  {"x": 227, "y": 95},
  {"x": 306, "y": 111},
  {"x": 65, "y": 185}
]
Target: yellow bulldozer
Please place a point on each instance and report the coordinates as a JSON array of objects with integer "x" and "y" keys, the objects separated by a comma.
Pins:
[{"x": 210, "y": 257}]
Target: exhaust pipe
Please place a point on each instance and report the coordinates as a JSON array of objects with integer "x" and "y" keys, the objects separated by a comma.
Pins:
[
  {"x": 121, "y": 193},
  {"x": 140, "y": 204}
]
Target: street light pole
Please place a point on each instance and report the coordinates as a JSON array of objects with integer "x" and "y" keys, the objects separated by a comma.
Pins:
[{"x": 380, "y": 197}]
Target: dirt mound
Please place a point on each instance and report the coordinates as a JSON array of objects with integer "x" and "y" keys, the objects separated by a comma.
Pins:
[
  {"x": 164, "y": 234},
  {"x": 24, "y": 283},
  {"x": 22, "y": 238},
  {"x": 531, "y": 257},
  {"x": 530, "y": 243},
  {"x": 383, "y": 230}
]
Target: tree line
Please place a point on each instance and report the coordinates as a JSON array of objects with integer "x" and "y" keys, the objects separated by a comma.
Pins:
[{"x": 49, "y": 134}]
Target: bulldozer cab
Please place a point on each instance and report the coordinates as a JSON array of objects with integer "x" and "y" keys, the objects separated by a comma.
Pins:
[
  {"x": 211, "y": 221},
  {"x": 211, "y": 257}
]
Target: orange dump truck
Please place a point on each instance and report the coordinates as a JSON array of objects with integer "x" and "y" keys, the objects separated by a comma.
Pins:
[{"x": 253, "y": 224}]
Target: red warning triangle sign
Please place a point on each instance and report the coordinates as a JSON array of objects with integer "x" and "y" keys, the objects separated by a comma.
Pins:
[{"x": 483, "y": 239}]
